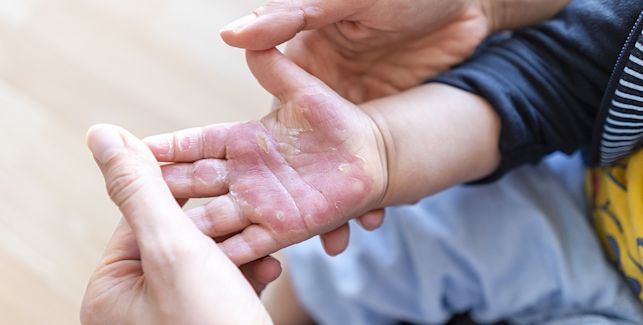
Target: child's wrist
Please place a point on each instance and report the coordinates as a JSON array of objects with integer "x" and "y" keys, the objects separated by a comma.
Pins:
[
  {"x": 386, "y": 149},
  {"x": 433, "y": 137}
]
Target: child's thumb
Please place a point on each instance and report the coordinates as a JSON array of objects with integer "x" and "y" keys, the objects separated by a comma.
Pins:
[{"x": 279, "y": 75}]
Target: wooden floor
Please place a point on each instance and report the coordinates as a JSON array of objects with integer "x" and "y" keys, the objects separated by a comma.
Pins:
[{"x": 148, "y": 65}]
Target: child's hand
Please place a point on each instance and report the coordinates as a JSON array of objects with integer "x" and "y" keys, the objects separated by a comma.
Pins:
[
  {"x": 303, "y": 170},
  {"x": 158, "y": 268}
]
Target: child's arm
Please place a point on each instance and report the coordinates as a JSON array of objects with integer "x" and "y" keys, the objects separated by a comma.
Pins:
[
  {"x": 545, "y": 85},
  {"x": 547, "y": 82},
  {"x": 319, "y": 160},
  {"x": 436, "y": 136}
]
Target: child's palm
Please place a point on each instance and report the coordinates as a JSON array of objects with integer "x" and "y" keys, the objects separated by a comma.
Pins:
[{"x": 304, "y": 170}]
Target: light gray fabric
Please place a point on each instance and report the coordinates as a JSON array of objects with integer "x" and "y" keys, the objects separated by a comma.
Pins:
[{"x": 519, "y": 250}]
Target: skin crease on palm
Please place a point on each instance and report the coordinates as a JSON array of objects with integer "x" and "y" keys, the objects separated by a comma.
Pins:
[{"x": 303, "y": 170}]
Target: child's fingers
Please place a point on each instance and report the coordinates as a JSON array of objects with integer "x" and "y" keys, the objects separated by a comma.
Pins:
[
  {"x": 278, "y": 74},
  {"x": 219, "y": 217},
  {"x": 182, "y": 202},
  {"x": 299, "y": 90},
  {"x": 135, "y": 184},
  {"x": 372, "y": 220},
  {"x": 252, "y": 243},
  {"x": 190, "y": 145},
  {"x": 261, "y": 272},
  {"x": 336, "y": 241},
  {"x": 204, "y": 178}
]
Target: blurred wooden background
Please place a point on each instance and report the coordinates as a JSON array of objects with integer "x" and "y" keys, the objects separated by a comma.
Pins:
[{"x": 148, "y": 65}]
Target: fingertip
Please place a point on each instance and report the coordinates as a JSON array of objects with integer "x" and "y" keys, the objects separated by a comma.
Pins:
[
  {"x": 262, "y": 272},
  {"x": 269, "y": 270},
  {"x": 241, "y": 23},
  {"x": 250, "y": 244},
  {"x": 258, "y": 32},
  {"x": 91, "y": 134},
  {"x": 336, "y": 241},
  {"x": 238, "y": 39},
  {"x": 372, "y": 220},
  {"x": 104, "y": 141},
  {"x": 229, "y": 37}
]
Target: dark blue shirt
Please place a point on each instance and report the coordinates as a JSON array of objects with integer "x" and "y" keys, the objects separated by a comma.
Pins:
[{"x": 549, "y": 83}]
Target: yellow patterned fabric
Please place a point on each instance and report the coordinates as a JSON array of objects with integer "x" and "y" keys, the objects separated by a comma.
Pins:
[{"x": 616, "y": 202}]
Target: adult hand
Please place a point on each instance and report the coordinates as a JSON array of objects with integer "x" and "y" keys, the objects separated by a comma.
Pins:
[
  {"x": 367, "y": 49},
  {"x": 303, "y": 170},
  {"x": 158, "y": 267}
]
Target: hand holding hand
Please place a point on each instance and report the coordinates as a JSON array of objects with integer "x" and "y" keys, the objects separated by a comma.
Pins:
[
  {"x": 303, "y": 170},
  {"x": 367, "y": 49},
  {"x": 158, "y": 267}
]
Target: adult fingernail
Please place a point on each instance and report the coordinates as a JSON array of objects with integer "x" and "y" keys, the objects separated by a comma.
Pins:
[
  {"x": 240, "y": 23},
  {"x": 104, "y": 142}
]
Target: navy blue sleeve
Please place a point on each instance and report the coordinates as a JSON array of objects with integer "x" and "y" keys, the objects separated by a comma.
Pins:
[{"x": 547, "y": 82}]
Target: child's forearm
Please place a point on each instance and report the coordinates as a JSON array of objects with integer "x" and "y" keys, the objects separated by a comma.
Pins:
[
  {"x": 513, "y": 14},
  {"x": 436, "y": 136}
]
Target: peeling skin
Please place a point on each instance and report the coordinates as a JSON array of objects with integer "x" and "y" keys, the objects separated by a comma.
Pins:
[
  {"x": 261, "y": 140},
  {"x": 185, "y": 144},
  {"x": 294, "y": 181},
  {"x": 205, "y": 174},
  {"x": 288, "y": 149},
  {"x": 296, "y": 132},
  {"x": 292, "y": 121},
  {"x": 344, "y": 168}
]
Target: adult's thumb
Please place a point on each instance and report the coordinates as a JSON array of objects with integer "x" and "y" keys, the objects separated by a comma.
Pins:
[
  {"x": 278, "y": 21},
  {"x": 135, "y": 184}
]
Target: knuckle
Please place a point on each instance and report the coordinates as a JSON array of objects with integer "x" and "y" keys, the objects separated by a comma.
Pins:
[
  {"x": 172, "y": 253},
  {"x": 296, "y": 9},
  {"x": 204, "y": 171},
  {"x": 208, "y": 173}
]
